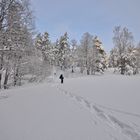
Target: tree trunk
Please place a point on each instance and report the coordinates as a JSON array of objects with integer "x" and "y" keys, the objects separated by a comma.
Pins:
[
  {"x": 6, "y": 79},
  {"x": 16, "y": 77},
  {"x": 1, "y": 67},
  {"x": 0, "y": 79},
  {"x": 72, "y": 70},
  {"x": 122, "y": 66},
  {"x": 88, "y": 72}
]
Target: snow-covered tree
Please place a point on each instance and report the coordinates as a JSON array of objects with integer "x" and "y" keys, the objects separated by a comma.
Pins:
[
  {"x": 124, "y": 54},
  {"x": 98, "y": 56},
  {"x": 92, "y": 56},
  {"x": 113, "y": 58},
  {"x": 4, "y": 8},
  {"x": 64, "y": 50},
  {"x": 86, "y": 43},
  {"x": 16, "y": 38},
  {"x": 43, "y": 44},
  {"x": 137, "y": 54},
  {"x": 73, "y": 54}
]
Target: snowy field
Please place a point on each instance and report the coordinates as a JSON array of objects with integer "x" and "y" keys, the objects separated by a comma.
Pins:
[{"x": 101, "y": 107}]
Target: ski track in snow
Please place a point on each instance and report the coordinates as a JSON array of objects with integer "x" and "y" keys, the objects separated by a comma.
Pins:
[
  {"x": 119, "y": 111},
  {"x": 126, "y": 129}
]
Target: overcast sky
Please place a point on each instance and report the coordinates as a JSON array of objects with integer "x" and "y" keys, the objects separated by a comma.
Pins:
[{"x": 97, "y": 17}]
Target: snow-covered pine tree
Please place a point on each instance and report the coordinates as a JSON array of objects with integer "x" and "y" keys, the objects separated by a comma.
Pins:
[
  {"x": 64, "y": 49},
  {"x": 43, "y": 44},
  {"x": 55, "y": 53},
  {"x": 138, "y": 57},
  {"x": 98, "y": 56}
]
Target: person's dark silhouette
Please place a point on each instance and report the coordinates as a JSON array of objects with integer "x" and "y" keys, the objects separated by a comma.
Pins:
[{"x": 62, "y": 78}]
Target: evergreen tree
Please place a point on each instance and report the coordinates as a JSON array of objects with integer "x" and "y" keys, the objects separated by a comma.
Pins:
[
  {"x": 98, "y": 58},
  {"x": 43, "y": 44},
  {"x": 64, "y": 50}
]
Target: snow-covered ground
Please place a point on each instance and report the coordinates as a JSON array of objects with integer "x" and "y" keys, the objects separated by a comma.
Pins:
[{"x": 101, "y": 107}]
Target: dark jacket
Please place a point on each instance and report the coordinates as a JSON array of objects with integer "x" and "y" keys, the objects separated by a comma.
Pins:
[{"x": 61, "y": 77}]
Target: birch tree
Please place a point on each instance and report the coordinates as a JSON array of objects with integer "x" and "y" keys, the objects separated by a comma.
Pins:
[
  {"x": 16, "y": 37},
  {"x": 123, "y": 42},
  {"x": 86, "y": 43}
]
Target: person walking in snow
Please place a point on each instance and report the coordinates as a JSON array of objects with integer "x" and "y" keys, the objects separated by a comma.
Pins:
[{"x": 62, "y": 78}]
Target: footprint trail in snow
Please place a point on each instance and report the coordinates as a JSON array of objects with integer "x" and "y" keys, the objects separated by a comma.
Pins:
[{"x": 110, "y": 120}]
